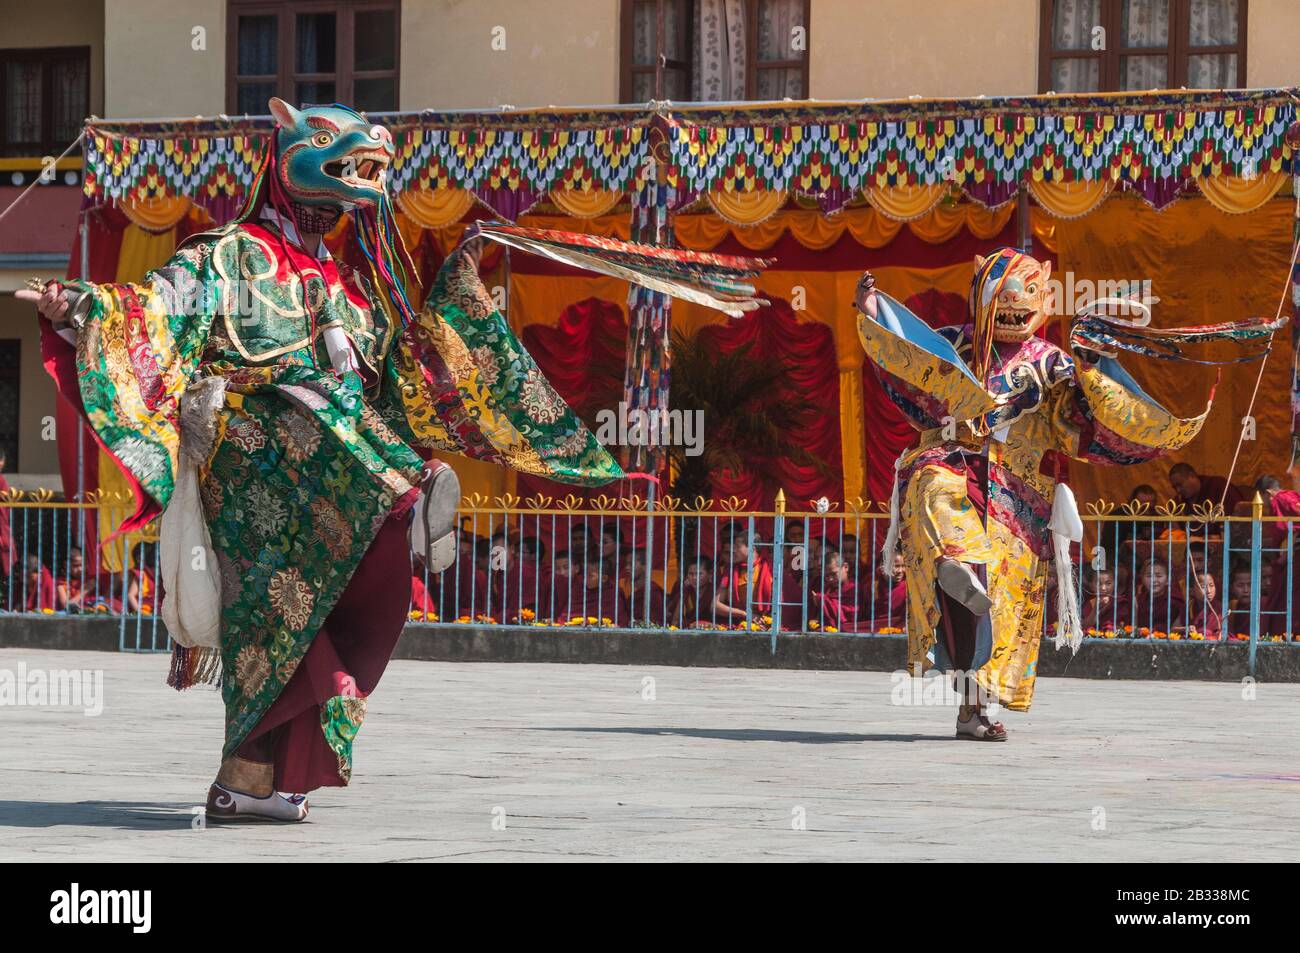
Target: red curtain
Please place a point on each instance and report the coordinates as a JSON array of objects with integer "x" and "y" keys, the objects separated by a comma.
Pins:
[
  {"x": 582, "y": 356},
  {"x": 804, "y": 353}
]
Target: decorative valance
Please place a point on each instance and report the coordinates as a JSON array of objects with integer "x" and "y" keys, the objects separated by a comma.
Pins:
[{"x": 901, "y": 154}]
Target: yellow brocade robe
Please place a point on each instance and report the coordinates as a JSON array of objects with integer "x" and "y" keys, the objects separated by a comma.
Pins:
[{"x": 1040, "y": 408}]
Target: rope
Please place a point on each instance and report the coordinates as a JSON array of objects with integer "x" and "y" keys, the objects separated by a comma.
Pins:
[
  {"x": 1295, "y": 252},
  {"x": 37, "y": 181}
]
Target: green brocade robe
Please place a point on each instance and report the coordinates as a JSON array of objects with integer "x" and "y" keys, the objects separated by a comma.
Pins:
[{"x": 307, "y": 463}]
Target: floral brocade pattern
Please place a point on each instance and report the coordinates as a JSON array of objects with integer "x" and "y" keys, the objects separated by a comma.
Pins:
[
  {"x": 309, "y": 463},
  {"x": 340, "y": 720},
  {"x": 293, "y": 518},
  {"x": 467, "y": 385}
]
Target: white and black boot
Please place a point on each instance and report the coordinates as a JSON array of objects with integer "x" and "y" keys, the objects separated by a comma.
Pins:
[{"x": 433, "y": 534}]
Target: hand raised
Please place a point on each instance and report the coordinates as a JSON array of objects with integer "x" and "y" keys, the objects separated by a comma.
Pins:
[
  {"x": 865, "y": 295},
  {"x": 472, "y": 243},
  {"x": 50, "y": 302}
]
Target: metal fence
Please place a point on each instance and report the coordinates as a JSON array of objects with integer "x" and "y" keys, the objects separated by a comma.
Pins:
[
  {"x": 1153, "y": 573},
  {"x": 53, "y": 564}
]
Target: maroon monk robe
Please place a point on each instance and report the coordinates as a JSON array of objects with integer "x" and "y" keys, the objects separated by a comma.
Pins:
[
  {"x": 1159, "y": 613},
  {"x": 890, "y": 605},
  {"x": 690, "y": 606},
  {"x": 658, "y": 607},
  {"x": 460, "y": 592},
  {"x": 513, "y": 590},
  {"x": 347, "y": 657},
  {"x": 1106, "y": 612}
]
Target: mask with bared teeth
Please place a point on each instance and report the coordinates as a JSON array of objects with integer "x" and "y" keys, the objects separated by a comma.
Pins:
[{"x": 1011, "y": 289}]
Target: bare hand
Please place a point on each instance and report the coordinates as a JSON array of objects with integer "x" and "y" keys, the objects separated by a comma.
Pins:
[
  {"x": 50, "y": 303},
  {"x": 472, "y": 244},
  {"x": 865, "y": 295}
]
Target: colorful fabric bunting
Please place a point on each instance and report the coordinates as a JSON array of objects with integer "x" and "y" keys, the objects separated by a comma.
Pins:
[{"x": 1154, "y": 143}]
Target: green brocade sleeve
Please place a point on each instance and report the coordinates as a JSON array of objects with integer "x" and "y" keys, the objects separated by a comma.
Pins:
[
  {"x": 464, "y": 383},
  {"x": 137, "y": 348}
]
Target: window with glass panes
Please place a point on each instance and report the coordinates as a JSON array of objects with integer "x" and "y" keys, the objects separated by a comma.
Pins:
[
  {"x": 714, "y": 50},
  {"x": 312, "y": 53},
  {"x": 11, "y": 356},
  {"x": 45, "y": 94},
  {"x": 1104, "y": 45}
]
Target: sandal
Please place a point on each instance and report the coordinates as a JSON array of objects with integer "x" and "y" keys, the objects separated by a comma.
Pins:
[{"x": 979, "y": 728}]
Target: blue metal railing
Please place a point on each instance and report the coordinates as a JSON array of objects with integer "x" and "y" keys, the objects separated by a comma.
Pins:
[{"x": 635, "y": 564}]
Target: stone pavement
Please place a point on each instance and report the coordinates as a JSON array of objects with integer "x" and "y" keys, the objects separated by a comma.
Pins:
[{"x": 577, "y": 762}]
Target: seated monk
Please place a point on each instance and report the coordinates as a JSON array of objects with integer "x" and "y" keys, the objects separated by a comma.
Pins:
[
  {"x": 1157, "y": 607},
  {"x": 690, "y": 604},
  {"x": 514, "y": 585},
  {"x": 85, "y": 590},
  {"x": 884, "y": 605},
  {"x": 1282, "y": 535},
  {"x": 556, "y": 585},
  {"x": 1204, "y": 612},
  {"x": 635, "y": 584},
  {"x": 461, "y": 592},
  {"x": 595, "y": 595},
  {"x": 1196, "y": 489},
  {"x": 422, "y": 603},
  {"x": 38, "y": 590},
  {"x": 834, "y": 601},
  {"x": 1104, "y": 609},
  {"x": 741, "y": 588},
  {"x": 141, "y": 588}
]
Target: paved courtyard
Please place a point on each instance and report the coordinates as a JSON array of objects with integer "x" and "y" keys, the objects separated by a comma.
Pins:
[{"x": 548, "y": 762}]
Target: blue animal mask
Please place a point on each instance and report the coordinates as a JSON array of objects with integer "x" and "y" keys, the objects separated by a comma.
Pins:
[{"x": 330, "y": 155}]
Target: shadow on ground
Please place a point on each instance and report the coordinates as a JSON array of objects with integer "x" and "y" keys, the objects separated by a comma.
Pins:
[
  {"x": 748, "y": 734},
  {"x": 123, "y": 815}
]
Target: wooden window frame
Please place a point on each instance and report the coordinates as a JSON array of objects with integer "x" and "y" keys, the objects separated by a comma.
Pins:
[
  {"x": 627, "y": 39},
  {"x": 1179, "y": 49},
  {"x": 628, "y": 71},
  {"x": 753, "y": 64},
  {"x": 287, "y": 78},
  {"x": 47, "y": 56}
]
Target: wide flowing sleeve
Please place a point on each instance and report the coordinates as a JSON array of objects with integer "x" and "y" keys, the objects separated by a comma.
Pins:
[
  {"x": 920, "y": 369},
  {"x": 137, "y": 345},
  {"x": 459, "y": 380},
  {"x": 1100, "y": 415}
]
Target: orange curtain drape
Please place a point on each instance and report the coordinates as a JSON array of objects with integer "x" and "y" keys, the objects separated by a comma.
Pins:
[
  {"x": 157, "y": 215},
  {"x": 1070, "y": 199},
  {"x": 588, "y": 203},
  {"x": 867, "y": 226},
  {"x": 1237, "y": 196},
  {"x": 905, "y": 203},
  {"x": 436, "y": 208},
  {"x": 1205, "y": 267},
  {"x": 747, "y": 208}
]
